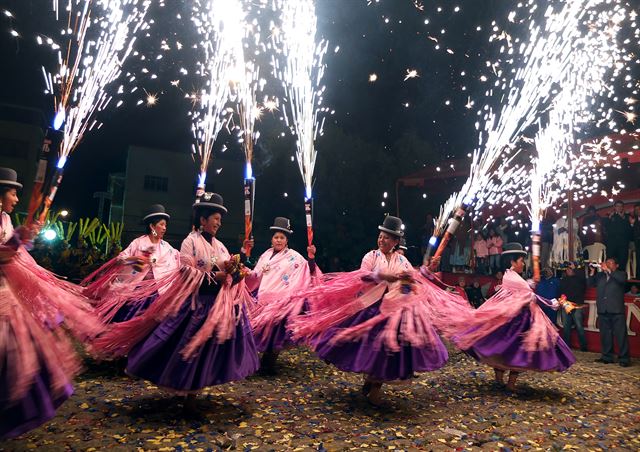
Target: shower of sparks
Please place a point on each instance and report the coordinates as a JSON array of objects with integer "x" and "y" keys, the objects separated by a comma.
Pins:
[
  {"x": 245, "y": 88},
  {"x": 99, "y": 37},
  {"x": 566, "y": 67},
  {"x": 220, "y": 25},
  {"x": 301, "y": 75}
]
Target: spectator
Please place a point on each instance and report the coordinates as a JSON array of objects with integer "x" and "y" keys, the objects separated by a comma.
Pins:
[
  {"x": 482, "y": 253},
  {"x": 548, "y": 288},
  {"x": 618, "y": 231},
  {"x": 560, "y": 251},
  {"x": 494, "y": 244},
  {"x": 474, "y": 294},
  {"x": 461, "y": 288},
  {"x": 591, "y": 231},
  {"x": 546, "y": 242},
  {"x": 495, "y": 284},
  {"x": 635, "y": 223},
  {"x": 610, "y": 285},
  {"x": 572, "y": 286},
  {"x": 633, "y": 291}
]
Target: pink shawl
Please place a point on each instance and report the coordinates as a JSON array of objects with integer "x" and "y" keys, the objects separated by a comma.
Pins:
[
  {"x": 199, "y": 259},
  {"x": 514, "y": 296},
  {"x": 108, "y": 281},
  {"x": 408, "y": 318},
  {"x": 278, "y": 277}
]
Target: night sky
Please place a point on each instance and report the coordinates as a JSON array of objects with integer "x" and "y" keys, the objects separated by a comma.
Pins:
[{"x": 445, "y": 42}]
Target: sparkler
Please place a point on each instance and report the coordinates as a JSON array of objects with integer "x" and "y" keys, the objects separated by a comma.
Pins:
[
  {"x": 99, "y": 38},
  {"x": 301, "y": 76},
  {"x": 570, "y": 54},
  {"x": 220, "y": 24}
]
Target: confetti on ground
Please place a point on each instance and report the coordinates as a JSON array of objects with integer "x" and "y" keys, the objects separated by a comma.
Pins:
[{"x": 312, "y": 406}]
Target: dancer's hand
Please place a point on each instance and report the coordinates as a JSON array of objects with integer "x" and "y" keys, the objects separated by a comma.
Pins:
[
  {"x": 311, "y": 252},
  {"x": 405, "y": 276},
  {"x": 220, "y": 276},
  {"x": 388, "y": 277},
  {"x": 247, "y": 244}
]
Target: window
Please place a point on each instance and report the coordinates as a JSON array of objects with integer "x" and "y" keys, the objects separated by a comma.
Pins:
[{"x": 156, "y": 183}]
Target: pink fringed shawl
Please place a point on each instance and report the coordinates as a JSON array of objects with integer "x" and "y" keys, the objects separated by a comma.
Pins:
[
  {"x": 199, "y": 259},
  {"x": 33, "y": 304},
  {"x": 408, "y": 318},
  {"x": 278, "y": 277},
  {"x": 514, "y": 296},
  {"x": 107, "y": 283}
]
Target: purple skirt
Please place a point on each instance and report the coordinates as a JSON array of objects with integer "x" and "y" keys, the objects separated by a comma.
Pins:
[
  {"x": 364, "y": 356},
  {"x": 280, "y": 337},
  {"x": 158, "y": 360},
  {"x": 34, "y": 409},
  {"x": 503, "y": 349},
  {"x": 131, "y": 310}
]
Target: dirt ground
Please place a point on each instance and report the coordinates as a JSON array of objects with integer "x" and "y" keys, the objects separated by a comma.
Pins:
[{"x": 312, "y": 406}]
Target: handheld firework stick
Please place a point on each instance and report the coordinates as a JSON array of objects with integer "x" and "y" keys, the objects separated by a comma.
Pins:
[
  {"x": 249, "y": 200},
  {"x": 308, "y": 211},
  {"x": 451, "y": 229},
  {"x": 535, "y": 254},
  {"x": 38, "y": 183},
  {"x": 46, "y": 203}
]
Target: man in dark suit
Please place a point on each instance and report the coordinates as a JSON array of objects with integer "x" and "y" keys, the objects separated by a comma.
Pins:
[{"x": 610, "y": 286}]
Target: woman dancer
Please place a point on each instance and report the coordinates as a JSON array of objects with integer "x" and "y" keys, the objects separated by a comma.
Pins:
[
  {"x": 147, "y": 257},
  {"x": 37, "y": 362},
  {"x": 279, "y": 273},
  {"x": 374, "y": 320},
  {"x": 510, "y": 332},
  {"x": 196, "y": 334}
]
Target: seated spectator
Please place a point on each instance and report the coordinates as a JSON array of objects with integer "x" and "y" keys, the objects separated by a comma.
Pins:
[
  {"x": 461, "y": 287},
  {"x": 633, "y": 291},
  {"x": 495, "y": 285},
  {"x": 548, "y": 288},
  {"x": 474, "y": 294},
  {"x": 482, "y": 253}
]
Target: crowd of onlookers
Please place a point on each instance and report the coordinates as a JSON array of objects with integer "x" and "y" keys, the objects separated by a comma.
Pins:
[{"x": 476, "y": 248}]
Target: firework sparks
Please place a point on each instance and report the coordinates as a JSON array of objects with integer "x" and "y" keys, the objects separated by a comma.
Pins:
[
  {"x": 219, "y": 23},
  {"x": 100, "y": 37},
  {"x": 563, "y": 56},
  {"x": 301, "y": 76}
]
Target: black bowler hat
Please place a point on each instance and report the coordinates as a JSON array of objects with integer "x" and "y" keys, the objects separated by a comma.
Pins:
[
  {"x": 211, "y": 201},
  {"x": 514, "y": 248},
  {"x": 155, "y": 211},
  {"x": 392, "y": 225},
  {"x": 282, "y": 224},
  {"x": 9, "y": 178}
]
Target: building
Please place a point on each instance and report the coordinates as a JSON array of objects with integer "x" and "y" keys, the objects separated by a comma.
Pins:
[{"x": 157, "y": 176}]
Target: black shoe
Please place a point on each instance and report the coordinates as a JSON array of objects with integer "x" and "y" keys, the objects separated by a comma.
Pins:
[
  {"x": 624, "y": 364},
  {"x": 603, "y": 361}
]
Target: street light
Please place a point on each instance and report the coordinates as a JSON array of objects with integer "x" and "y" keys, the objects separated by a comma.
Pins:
[{"x": 64, "y": 213}]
